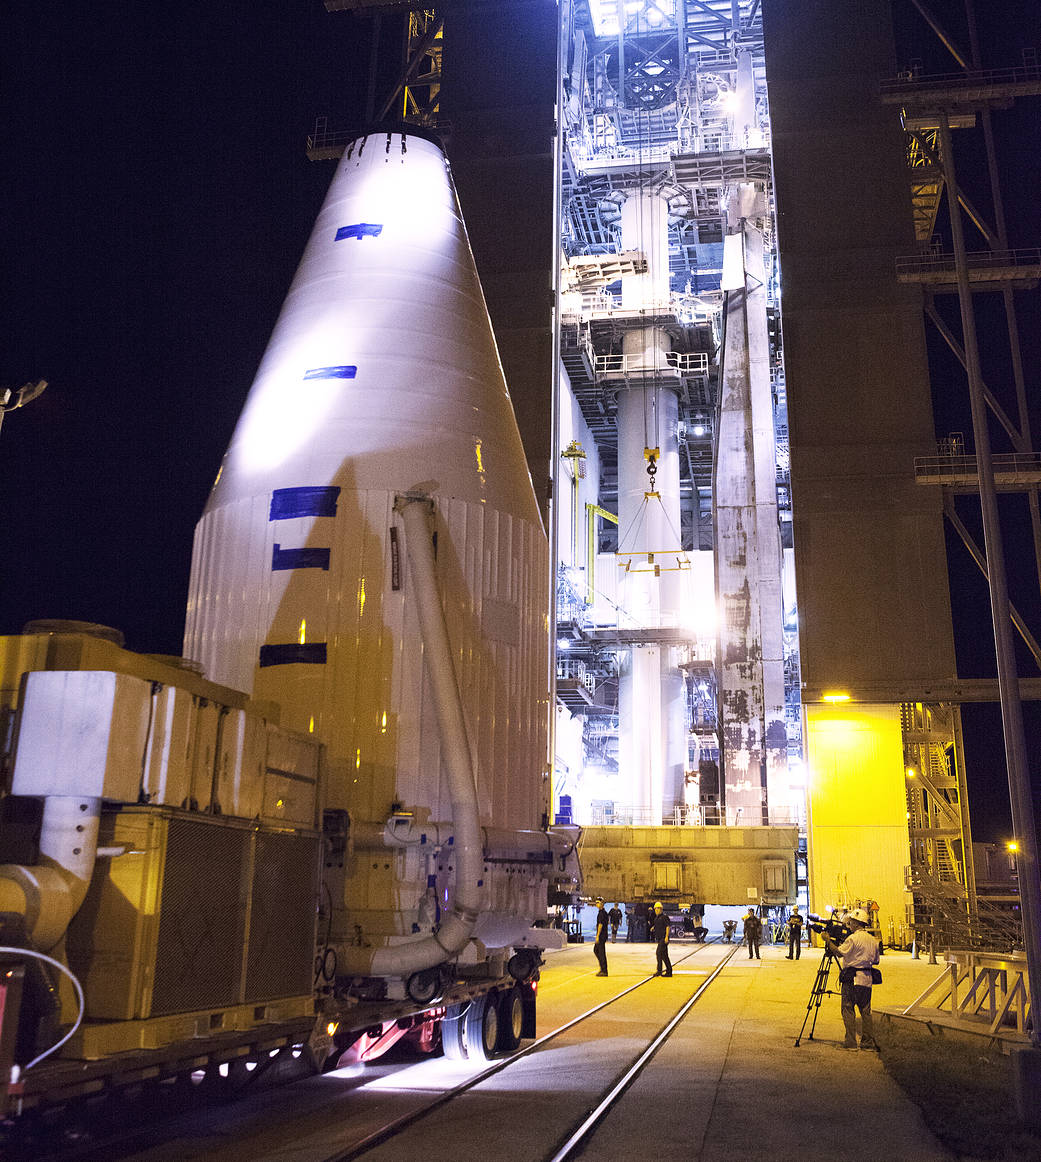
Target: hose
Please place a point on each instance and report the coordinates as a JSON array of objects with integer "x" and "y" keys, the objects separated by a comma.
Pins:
[{"x": 8, "y": 950}]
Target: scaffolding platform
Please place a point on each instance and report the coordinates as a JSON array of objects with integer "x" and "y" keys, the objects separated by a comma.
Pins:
[
  {"x": 717, "y": 170},
  {"x": 977, "y": 87},
  {"x": 1013, "y": 471},
  {"x": 987, "y": 269}
]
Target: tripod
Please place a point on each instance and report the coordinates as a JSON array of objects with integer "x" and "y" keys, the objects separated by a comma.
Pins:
[{"x": 817, "y": 993}]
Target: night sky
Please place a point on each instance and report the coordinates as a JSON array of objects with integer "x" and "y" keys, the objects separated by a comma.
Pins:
[{"x": 156, "y": 200}]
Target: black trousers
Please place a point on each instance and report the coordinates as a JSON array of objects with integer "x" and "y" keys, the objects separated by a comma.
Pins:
[
  {"x": 662, "y": 954},
  {"x": 600, "y": 952},
  {"x": 753, "y": 945},
  {"x": 794, "y": 943}
]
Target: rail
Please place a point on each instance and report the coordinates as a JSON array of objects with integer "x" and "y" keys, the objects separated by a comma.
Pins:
[
  {"x": 940, "y": 261},
  {"x": 687, "y": 363},
  {"x": 1005, "y": 464},
  {"x": 907, "y": 83},
  {"x": 631, "y": 815},
  {"x": 577, "y": 1135}
]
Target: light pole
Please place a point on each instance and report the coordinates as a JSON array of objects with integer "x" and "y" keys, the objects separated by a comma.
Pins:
[{"x": 11, "y": 398}]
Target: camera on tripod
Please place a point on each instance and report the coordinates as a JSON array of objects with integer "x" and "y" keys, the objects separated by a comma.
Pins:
[{"x": 829, "y": 926}]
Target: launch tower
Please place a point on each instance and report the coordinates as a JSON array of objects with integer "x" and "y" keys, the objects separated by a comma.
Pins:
[{"x": 641, "y": 182}]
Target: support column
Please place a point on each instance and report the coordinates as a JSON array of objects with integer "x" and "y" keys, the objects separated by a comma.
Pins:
[
  {"x": 652, "y": 714},
  {"x": 754, "y": 760}
]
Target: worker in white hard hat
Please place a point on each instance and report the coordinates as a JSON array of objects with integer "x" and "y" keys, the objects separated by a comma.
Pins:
[
  {"x": 795, "y": 934},
  {"x": 859, "y": 954},
  {"x": 660, "y": 932}
]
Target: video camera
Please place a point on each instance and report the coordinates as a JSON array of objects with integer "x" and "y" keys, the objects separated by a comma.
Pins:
[{"x": 829, "y": 926}]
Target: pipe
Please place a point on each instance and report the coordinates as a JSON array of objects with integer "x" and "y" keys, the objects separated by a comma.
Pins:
[
  {"x": 457, "y": 924},
  {"x": 497, "y": 842},
  {"x": 50, "y": 893}
]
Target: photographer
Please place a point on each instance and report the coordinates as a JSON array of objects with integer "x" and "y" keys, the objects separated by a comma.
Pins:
[{"x": 858, "y": 953}]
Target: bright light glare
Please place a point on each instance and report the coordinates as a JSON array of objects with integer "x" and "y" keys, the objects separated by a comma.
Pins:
[
  {"x": 835, "y": 696},
  {"x": 271, "y": 431},
  {"x": 604, "y": 14}
]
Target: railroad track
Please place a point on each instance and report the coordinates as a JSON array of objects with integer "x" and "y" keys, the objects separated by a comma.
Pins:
[
  {"x": 394, "y": 1137},
  {"x": 574, "y": 1138}
]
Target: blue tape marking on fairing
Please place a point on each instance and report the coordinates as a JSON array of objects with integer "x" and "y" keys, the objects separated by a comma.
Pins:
[
  {"x": 359, "y": 230},
  {"x": 290, "y": 502},
  {"x": 312, "y": 654},
  {"x": 344, "y": 372},
  {"x": 299, "y": 559}
]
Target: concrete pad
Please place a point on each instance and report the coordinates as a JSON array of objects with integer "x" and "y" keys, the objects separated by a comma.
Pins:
[{"x": 731, "y": 1081}]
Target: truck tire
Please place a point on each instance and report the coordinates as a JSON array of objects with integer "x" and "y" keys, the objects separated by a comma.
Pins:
[
  {"x": 511, "y": 1019},
  {"x": 452, "y": 1043},
  {"x": 481, "y": 1028}
]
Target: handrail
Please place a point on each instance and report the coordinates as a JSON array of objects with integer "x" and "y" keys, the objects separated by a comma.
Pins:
[
  {"x": 966, "y": 465},
  {"x": 975, "y": 260},
  {"x": 975, "y": 77},
  {"x": 688, "y": 362}
]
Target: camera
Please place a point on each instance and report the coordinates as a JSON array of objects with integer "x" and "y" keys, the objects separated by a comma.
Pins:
[{"x": 829, "y": 926}]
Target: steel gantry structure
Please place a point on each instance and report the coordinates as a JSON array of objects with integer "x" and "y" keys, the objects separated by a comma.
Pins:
[{"x": 642, "y": 184}]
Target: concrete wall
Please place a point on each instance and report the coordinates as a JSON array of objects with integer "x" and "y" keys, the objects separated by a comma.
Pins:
[{"x": 869, "y": 550}]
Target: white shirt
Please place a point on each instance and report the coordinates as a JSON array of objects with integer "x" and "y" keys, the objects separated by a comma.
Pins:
[{"x": 860, "y": 951}]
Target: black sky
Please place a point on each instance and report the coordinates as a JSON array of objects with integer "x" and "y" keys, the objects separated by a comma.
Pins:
[{"x": 156, "y": 199}]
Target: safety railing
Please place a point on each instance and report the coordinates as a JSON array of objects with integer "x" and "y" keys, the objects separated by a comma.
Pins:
[
  {"x": 977, "y": 78},
  {"x": 706, "y": 815},
  {"x": 979, "y": 991},
  {"x": 941, "y": 261},
  {"x": 685, "y": 362},
  {"x": 1004, "y": 463}
]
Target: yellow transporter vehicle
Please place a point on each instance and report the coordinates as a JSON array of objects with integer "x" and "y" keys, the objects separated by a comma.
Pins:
[{"x": 357, "y": 843}]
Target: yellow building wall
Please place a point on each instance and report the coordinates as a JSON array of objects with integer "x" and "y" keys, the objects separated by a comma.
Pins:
[{"x": 858, "y": 842}]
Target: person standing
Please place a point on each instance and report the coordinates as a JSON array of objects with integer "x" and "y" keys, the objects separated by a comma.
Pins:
[
  {"x": 753, "y": 929},
  {"x": 600, "y": 943},
  {"x": 615, "y": 916},
  {"x": 859, "y": 954},
  {"x": 660, "y": 931},
  {"x": 794, "y": 934}
]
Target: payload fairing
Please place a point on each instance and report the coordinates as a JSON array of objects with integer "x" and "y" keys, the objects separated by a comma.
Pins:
[{"x": 380, "y": 399}]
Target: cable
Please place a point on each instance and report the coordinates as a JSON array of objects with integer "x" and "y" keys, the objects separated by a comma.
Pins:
[{"x": 8, "y": 950}]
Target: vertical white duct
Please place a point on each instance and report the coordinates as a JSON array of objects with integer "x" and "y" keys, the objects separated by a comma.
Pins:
[{"x": 652, "y": 719}]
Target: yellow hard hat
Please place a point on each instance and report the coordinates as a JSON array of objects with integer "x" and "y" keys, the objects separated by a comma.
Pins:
[{"x": 657, "y": 907}]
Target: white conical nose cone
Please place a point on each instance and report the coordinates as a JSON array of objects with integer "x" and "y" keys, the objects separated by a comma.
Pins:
[
  {"x": 382, "y": 369},
  {"x": 381, "y": 378}
]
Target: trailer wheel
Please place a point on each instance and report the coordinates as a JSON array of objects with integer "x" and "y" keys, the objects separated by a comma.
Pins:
[
  {"x": 481, "y": 1028},
  {"x": 452, "y": 1043},
  {"x": 511, "y": 1019}
]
